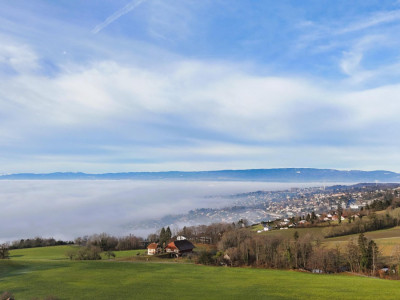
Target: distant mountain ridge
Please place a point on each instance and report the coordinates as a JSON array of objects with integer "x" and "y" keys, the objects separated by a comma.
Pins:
[{"x": 267, "y": 175}]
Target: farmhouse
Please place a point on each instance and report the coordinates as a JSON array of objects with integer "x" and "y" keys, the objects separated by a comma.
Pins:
[
  {"x": 179, "y": 247},
  {"x": 152, "y": 249}
]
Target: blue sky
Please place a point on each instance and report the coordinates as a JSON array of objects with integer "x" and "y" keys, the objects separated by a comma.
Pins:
[{"x": 151, "y": 85}]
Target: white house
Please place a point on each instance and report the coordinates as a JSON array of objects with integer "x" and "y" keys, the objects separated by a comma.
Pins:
[{"x": 152, "y": 249}]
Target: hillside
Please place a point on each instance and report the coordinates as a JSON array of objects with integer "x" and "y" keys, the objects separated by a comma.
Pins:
[{"x": 125, "y": 280}]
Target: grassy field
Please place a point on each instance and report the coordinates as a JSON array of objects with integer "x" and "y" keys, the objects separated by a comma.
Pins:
[
  {"x": 124, "y": 280},
  {"x": 58, "y": 253},
  {"x": 387, "y": 240},
  {"x": 315, "y": 232},
  {"x": 41, "y": 272}
]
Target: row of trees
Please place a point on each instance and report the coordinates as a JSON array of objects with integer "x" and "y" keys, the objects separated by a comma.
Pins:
[
  {"x": 37, "y": 242},
  {"x": 363, "y": 256},
  {"x": 360, "y": 225},
  {"x": 165, "y": 236},
  {"x": 241, "y": 247},
  {"x": 106, "y": 242},
  {"x": 209, "y": 233}
]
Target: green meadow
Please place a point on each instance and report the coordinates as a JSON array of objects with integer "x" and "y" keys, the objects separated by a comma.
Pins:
[{"x": 41, "y": 272}]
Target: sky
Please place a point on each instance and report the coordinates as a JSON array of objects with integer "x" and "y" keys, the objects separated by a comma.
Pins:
[{"x": 156, "y": 85}]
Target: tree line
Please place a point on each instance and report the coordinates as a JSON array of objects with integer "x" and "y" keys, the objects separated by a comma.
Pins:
[
  {"x": 360, "y": 225},
  {"x": 37, "y": 242},
  {"x": 92, "y": 246},
  {"x": 243, "y": 248}
]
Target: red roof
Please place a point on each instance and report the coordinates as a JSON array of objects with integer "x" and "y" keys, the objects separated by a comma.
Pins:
[
  {"x": 152, "y": 246},
  {"x": 171, "y": 246}
]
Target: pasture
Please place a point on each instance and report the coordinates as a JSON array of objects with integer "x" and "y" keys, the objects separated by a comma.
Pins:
[{"x": 32, "y": 275}]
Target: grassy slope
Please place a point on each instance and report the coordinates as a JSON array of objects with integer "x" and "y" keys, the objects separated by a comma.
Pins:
[
  {"x": 40, "y": 272},
  {"x": 386, "y": 239},
  {"x": 58, "y": 253},
  {"x": 124, "y": 280}
]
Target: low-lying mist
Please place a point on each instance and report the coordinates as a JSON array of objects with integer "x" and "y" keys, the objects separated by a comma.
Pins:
[{"x": 68, "y": 209}]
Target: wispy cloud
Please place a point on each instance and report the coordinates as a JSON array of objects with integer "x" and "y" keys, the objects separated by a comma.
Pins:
[
  {"x": 115, "y": 16},
  {"x": 373, "y": 20}
]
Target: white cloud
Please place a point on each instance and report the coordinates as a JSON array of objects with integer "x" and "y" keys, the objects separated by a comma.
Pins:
[
  {"x": 19, "y": 57},
  {"x": 375, "y": 19},
  {"x": 108, "y": 116}
]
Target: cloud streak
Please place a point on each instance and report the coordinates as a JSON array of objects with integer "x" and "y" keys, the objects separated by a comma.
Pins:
[{"x": 115, "y": 16}]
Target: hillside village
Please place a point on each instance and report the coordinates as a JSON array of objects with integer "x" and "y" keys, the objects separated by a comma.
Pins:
[{"x": 267, "y": 206}]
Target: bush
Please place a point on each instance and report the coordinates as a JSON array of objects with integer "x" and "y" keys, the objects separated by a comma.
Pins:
[
  {"x": 4, "y": 251},
  {"x": 7, "y": 296},
  {"x": 85, "y": 253},
  {"x": 206, "y": 258}
]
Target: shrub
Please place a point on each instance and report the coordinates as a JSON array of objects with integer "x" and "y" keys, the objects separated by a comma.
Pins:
[
  {"x": 206, "y": 258},
  {"x": 85, "y": 253},
  {"x": 7, "y": 296},
  {"x": 4, "y": 251}
]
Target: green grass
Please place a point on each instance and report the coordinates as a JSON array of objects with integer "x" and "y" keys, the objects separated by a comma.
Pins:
[
  {"x": 378, "y": 234},
  {"x": 124, "y": 280},
  {"x": 129, "y": 253},
  {"x": 288, "y": 233},
  {"x": 386, "y": 239},
  {"x": 41, "y": 253},
  {"x": 58, "y": 253}
]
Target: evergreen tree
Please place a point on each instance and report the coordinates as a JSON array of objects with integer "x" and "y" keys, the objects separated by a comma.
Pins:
[
  {"x": 340, "y": 212},
  {"x": 313, "y": 216},
  {"x": 363, "y": 250},
  {"x": 168, "y": 234},
  {"x": 162, "y": 236}
]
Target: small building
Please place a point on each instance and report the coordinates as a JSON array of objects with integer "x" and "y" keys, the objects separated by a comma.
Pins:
[
  {"x": 152, "y": 249},
  {"x": 179, "y": 247}
]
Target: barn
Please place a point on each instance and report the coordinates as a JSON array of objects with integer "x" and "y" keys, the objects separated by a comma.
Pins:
[{"x": 179, "y": 247}]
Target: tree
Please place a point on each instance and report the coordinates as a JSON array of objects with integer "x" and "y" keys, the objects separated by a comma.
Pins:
[
  {"x": 313, "y": 216},
  {"x": 163, "y": 237},
  {"x": 353, "y": 257},
  {"x": 340, "y": 212},
  {"x": 168, "y": 234},
  {"x": 308, "y": 218},
  {"x": 4, "y": 253},
  {"x": 373, "y": 252},
  {"x": 363, "y": 251},
  {"x": 153, "y": 238}
]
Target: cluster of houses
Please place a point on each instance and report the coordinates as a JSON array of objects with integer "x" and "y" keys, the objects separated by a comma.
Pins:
[
  {"x": 177, "y": 248},
  {"x": 286, "y": 223}
]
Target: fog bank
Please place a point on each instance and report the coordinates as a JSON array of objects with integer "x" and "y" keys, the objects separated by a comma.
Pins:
[{"x": 68, "y": 209}]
